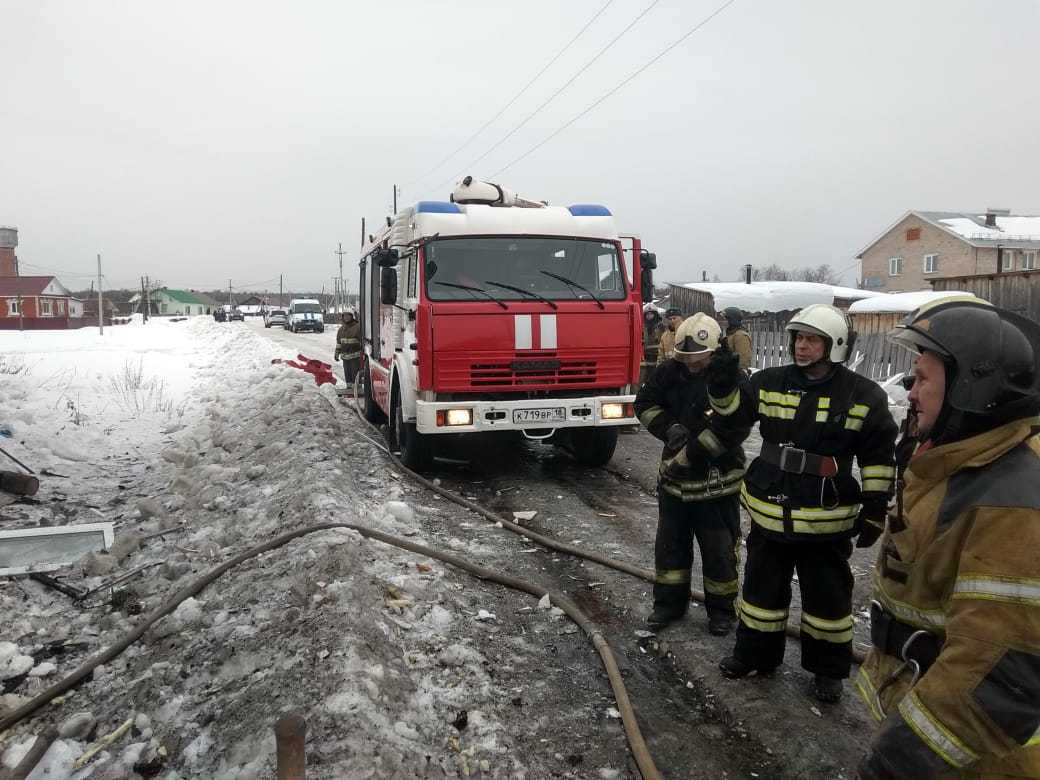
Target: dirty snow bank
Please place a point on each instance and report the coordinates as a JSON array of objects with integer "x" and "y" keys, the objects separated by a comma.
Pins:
[{"x": 385, "y": 654}]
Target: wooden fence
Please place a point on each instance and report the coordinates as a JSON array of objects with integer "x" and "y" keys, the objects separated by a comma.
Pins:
[
  {"x": 874, "y": 356},
  {"x": 1017, "y": 291}
]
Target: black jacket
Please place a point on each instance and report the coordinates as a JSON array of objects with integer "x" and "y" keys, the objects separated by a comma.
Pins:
[
  {"x": 711, "y": 464},
  {"x": 843, "y": 415}
]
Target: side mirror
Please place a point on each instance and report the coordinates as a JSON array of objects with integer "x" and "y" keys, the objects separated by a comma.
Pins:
[
  {"x": 388, "y": 286},
  {"x": 387, "y": 258},
  {"x": 648, "y": 260},
  {"x": 646, "y": 284}
]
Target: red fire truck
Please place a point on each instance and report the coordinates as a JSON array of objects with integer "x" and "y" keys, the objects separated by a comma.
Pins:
[{"x": 494, "y": 313}]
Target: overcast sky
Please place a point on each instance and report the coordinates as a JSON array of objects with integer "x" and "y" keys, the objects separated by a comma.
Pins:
[{"x": 198, "y": 142}]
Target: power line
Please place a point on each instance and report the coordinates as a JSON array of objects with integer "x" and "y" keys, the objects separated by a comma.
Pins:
[
  {"x": 555, "y": 94},
  {"x": 515, "y": 97},
  {"x": 617, "y": 88}
]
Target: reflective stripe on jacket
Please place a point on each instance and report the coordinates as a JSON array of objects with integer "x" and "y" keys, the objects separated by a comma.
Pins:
[
  {"x": 711, "y": 464},
  {"x": 962, "y": 563},
  {"x": 842, "y": 415}
]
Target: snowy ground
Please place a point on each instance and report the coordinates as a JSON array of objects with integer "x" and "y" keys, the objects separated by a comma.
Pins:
[{"x": 188, "y": 426}]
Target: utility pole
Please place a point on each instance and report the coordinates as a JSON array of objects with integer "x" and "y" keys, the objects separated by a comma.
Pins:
[
  {"x": 147, "y": 298},
  {"x": 21, "y": 314},
  {"x": 342, "y": 289},
  {"x": 395, "y": 198},
  {"x": 281, "y": 297},
  {"x": 229, "y": 293},
  {"x": 100, "y": 300}
]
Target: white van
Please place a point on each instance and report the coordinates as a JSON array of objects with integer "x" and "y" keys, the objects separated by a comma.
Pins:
[{"x": 305, "y": 314}]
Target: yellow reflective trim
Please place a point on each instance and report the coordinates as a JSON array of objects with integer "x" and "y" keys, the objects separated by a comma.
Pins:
[
  {"x": 728, "y": 588},
  {"x": 710, "y": 442},
  {"x": 725, "y": 406},
  {"x": 802, "y": 526},
  {"x": 821, "y": 417},
  {"x": 828, "y": 625},
  {"x": 771, "y": 615},
  {"x": 703, "y": 495},
  {"x": 1009, "y": 590},
  {"x": 801, "y": 513},
  {"x": 839, "y": 638},
  {"x": 731, "y": 477},
  {"x": 866, "y": 690},
  {"x": 759, "y": 625},
  {"x": 879, "y": 471},
  {"x": 781, "y": 399},
  {"x": 859, "y": 410},
  {"x": 853, "y": 424},
  {"x": 823, "y": 403},
  {"x": 877, "y": 485},
  {"x": 1033, "y": 740},
  {"x": 928, "y": 619},
  {"x": 823, "y": 406},
  {"x": 649, "y": 415},
  {"x": 934, "y": 734},
  {"x": 672, "y": 576},
  {"x": 778, "y": 412}
]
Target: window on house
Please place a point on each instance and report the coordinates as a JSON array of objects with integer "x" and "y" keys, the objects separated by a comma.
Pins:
[
  {"x": 1007, "y": 262},
  {"x": 931, "y": 264},
  {"x": 12, "y": 306},
  {"x": 1029, "y": 260},
  {"x": 45, "y": 307},
  {"x": 895, "y": 266},
  {"x": 913, "y": 234}
]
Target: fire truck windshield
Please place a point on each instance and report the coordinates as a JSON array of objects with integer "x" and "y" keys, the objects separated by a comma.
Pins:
[{"x": 524, "y": 267}]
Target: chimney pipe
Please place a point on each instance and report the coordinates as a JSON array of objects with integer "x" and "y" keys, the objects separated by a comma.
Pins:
[{"x": 992, "y": 214}]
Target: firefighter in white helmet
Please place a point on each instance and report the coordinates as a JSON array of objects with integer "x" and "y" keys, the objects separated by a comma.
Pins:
[
  {"x": 700, "y": 472},
  {"x": 815, "y": 417},
  {"x": 348, "y": 345}
]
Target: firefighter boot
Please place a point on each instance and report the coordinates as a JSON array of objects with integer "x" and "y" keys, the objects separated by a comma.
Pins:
[
  {"x": 663, "y": 615},
  {"x": 827, "y": 689},
  {"x": 733, "y": 668},
  {"x": 720, "y": 624}
]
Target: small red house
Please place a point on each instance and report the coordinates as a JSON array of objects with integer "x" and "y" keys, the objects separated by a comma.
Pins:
[{"x": 38, "y": 303}]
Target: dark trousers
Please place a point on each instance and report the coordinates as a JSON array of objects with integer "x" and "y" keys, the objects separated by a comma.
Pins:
[
  {"x": 716, "y": 524},
  {"x": 825, "y": 581},
  {"x": 350, "y": 369}
]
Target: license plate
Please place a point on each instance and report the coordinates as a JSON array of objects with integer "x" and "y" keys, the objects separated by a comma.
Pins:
[{"x": 556, "y": 414}]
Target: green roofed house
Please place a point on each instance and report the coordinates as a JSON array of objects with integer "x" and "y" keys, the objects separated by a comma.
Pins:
[{"x": 173, "y": 303}]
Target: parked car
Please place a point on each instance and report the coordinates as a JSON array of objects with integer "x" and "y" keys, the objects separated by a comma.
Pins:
[
  {"x": 228, "y": 313},
  {"x": 275, "y": 317},
  {"x": 236, "y": 314}
]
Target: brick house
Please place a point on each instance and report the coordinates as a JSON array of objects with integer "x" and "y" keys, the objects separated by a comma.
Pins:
[
  {"x": 925, "y": 245},
  {"x": 37, "y": 302}
]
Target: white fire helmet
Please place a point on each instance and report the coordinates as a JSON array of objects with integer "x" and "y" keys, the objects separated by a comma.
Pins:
[
  {"x": 829, "y": 322},
  {"x": 696, "y": 334}
]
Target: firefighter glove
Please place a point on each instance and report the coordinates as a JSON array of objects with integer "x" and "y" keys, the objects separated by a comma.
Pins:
[
  {"x": 723, "y": 372},
  {"x": 675, "y": 439},
  {"x": 871, "y": 524}
]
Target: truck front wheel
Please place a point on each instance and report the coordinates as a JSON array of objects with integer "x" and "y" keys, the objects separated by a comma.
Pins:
[
  {"x": 593, "y": 446},
  {"x": 416, "y": 451}
]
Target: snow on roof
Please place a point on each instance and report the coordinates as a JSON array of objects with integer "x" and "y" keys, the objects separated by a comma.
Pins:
[
  {"x": 854, "y": 293},
  {"x": 583, "y": 221},
  {"x": 1010, "y": 228},
  {"x": 767, "y": 296},
  {"x": 900, "y": 302}
]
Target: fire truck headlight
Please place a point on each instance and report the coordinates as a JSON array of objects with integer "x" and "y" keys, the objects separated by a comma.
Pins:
[
  {"x": 612, "y": 411},
  {"x": 459, "y": 417}
]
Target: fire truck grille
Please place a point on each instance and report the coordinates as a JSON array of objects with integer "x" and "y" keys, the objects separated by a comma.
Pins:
[{"x": 518, "y": 373}]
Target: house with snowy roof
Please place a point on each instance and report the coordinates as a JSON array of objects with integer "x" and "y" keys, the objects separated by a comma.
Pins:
[
  {"x": 37, "y": 302},
  {"x": 170, "y": 302},
  {"x": 922, "y": 246}
]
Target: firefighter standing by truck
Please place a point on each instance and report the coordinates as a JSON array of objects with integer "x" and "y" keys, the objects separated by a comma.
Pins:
[
  {"x": 348, "y": 345},
  {"x": 814, "y": 416},
  {"x": 700, "y": 473},
  {"x": 954, "y": 673},
  {"x": 672, "y": 319}
]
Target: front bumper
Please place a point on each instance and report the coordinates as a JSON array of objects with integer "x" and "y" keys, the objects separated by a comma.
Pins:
[{"x": 498, "y": 415}]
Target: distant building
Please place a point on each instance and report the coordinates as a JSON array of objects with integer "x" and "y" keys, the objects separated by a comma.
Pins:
[
  {"x": 37, "y": 302},
  {"x": 210, "y": 303},
  {"x": 172, "y": 303},
  {"x": 8, "y": 259},
  {"x": 922, "y": 246}
]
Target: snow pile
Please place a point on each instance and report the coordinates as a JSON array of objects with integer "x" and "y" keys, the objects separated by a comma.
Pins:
[
  {"x": 381, "y": 652},
  {"x": 900, "y": 302}
]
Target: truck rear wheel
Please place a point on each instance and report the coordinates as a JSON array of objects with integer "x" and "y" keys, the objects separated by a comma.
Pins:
[
  {"x": 416, "y": 451},
  {"x": 371, "y": 410},
  {"x": 593, "y": 446}
]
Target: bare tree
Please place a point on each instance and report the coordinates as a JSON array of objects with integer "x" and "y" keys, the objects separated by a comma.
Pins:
[{"x": 823, "y": 274}]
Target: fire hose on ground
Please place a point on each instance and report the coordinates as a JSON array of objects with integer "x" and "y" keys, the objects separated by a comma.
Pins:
[{"x": 638, "y": 745}]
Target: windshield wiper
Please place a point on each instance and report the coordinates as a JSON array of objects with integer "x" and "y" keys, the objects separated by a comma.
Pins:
[
  {"x": 522, "y": 291},
  {"x": 474, "y": 289},
  {"x": 572, "y": 283}
]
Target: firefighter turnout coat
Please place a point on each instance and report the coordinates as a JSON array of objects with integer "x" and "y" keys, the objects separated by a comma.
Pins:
[
  {"x": 666, "y": 346},
  {"x": 739, "y": 340},
  {"x": 962, "y": 563},
  {"x": 348, "y": 341},
  {"x": 711, "y": 465},
  {"x": 842, "y": 415}
]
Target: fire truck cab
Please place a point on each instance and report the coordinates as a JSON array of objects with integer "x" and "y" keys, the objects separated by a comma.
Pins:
[{"x": 483, "y": 318}]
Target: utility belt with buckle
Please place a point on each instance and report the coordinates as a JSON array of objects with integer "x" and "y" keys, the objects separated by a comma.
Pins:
[
  {"x": 916, "y": 648},
  {"x": 798, "y": 461}
]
